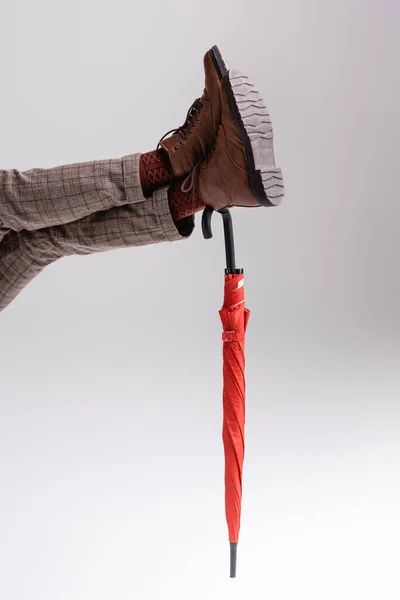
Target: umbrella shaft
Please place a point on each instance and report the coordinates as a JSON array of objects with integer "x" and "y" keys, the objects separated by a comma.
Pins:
[{"x": 229, "y": 241}]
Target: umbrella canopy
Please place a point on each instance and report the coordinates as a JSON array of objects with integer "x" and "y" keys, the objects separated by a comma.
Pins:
[{"x": 234, "y": 316}]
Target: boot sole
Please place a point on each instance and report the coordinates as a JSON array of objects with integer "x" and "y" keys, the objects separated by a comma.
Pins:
[
  {"x": 218, "y": 61},
  {"x": 255, "y": 129}
]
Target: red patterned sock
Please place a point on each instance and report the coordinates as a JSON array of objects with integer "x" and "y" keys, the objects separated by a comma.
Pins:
[
  {"x": 182, "y": 204},
  {"x": 155, "y": 171}
]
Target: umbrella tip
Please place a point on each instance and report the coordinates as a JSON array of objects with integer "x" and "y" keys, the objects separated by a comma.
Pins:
[{"x": 233, "y": 558}]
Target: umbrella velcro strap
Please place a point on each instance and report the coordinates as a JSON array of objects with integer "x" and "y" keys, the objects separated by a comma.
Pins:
[{"x": 232, "y": 336}]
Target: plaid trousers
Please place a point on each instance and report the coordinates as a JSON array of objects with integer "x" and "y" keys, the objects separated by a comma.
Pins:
[{"x": 82, "y": 208}]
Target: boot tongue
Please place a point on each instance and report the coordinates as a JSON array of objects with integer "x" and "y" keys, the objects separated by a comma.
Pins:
[
  {"x": 212, "y": 82},
  {"x": 212, "y": 90},
  {"x": 205, "y": 95}
]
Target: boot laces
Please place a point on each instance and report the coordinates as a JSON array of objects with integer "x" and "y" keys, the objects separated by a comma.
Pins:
[
  {"x": 189, "y": 183},
  {"x": 191, "y": 118}
]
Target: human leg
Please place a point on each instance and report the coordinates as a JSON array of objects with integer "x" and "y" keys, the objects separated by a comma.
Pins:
[{"x": 24, "y": 254}]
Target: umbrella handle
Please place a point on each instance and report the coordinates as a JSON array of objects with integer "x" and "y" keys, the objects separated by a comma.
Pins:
[{"x": 229, "y": 239}]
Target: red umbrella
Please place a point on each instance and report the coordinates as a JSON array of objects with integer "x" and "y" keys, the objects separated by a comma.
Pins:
[{"x": 234, "y": 316}]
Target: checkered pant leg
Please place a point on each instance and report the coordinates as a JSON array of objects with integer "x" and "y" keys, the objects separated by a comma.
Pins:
[
  {"x": 41, "y": 198},
  {"x": 24, "y": 254}
]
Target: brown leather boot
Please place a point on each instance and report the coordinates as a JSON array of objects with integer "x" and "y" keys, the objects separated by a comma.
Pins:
[
  {"x": 240, "y": 167},
  {"x": 189, "y": 143}
]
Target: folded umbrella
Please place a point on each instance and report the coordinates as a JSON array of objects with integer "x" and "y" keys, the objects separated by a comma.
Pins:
[{"x": 234, "y": 316}]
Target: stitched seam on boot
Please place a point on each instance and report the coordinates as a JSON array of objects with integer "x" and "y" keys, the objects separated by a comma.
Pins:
[{"x": 230, "y": 155}]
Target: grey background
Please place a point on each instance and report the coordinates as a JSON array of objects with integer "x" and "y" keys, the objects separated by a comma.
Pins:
[{"x": 111, "y": 459}]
